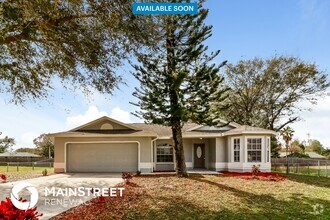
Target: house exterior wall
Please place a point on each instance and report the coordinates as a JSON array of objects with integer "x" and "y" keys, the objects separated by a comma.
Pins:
[
  {"x": 212, "y": 153},
  {"x": 145, "y": 161},
  {"x": 219, "y": 152}
]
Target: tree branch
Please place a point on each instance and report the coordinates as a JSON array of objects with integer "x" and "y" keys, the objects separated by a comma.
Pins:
[
  {"x": 57, "y": 22},
  {"x": 288, "y": 122}
]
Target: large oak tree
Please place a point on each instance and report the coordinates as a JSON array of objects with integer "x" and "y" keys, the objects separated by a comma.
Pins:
[
  {"x": 268, "y": 92},
  {"x": 79, "y": 42}
]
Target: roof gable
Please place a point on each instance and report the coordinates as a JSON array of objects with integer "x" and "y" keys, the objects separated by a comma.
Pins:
[
  {"x": 223, "y": 126},
  {"x": 105, "y": 124}
]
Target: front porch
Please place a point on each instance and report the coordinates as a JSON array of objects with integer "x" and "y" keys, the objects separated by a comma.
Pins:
[{"x": 213, "y": 154}]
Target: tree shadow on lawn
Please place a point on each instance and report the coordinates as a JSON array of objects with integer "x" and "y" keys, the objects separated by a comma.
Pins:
[
  {"x": 311, "y": 180},
  {"x": 179, "y": 208},
  {"x": 296, "y": 206}
]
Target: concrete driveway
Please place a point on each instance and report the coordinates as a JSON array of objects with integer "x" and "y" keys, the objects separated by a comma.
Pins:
[{"x": 51, "y": 205}]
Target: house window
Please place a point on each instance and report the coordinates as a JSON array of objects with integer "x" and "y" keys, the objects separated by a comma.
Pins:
[
  {"x": 237, "y": 148},
  {"x": 164, "y": 153},
  {"x": 254, "y": 149}
]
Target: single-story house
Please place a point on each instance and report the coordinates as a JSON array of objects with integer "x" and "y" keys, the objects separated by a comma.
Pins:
[
  {"x": 7, "y": 157},
  {"x": 108, "y": 145},
  {"x": 18, "y": 154}
]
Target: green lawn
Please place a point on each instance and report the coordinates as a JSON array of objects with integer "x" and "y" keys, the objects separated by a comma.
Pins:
[
  {"x": 213, "y": 197},
  {"x": 24, "y": 172}
]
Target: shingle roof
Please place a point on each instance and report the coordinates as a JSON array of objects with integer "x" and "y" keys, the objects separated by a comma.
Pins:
[
  {"x": 164, "y": 131},
  {"x": 309, "y": 153},
  {"x": 314, "y": 155},
  {"x": 160, "y": 131},
  {"x": 248, "y": 129}
]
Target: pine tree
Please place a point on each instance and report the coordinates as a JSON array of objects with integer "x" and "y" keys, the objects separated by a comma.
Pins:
[{"x": 178, "y": 82}]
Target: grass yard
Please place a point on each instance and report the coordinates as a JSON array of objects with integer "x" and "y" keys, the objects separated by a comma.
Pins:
[
  {"x": 24, "y": 172},
  {"x": 213, "y": 197}
]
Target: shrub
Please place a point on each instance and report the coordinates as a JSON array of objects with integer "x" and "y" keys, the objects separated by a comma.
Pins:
[
  {"x": 255, "y": 170},
  {"x": 3, "y": 177},
  {"x": 44, "y": 172},
  {"x": 127, "y": 176},
  {"x": 9, "y": 211}
]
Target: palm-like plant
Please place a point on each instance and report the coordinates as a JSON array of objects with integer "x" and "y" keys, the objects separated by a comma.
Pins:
[{"x": 287, "y": 135}]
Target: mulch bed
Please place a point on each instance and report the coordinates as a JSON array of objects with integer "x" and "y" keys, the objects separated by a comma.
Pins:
[
  {"x": 265, "y": 176},
  {"x": 106, "y": 207}
]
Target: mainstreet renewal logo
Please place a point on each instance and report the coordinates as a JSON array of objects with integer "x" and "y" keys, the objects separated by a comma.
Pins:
[
  {"x": 60, "y": 196},
  {"x": 14, "y": 196}
]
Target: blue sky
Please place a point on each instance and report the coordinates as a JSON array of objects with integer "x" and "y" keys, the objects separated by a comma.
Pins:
[{"x": 242, "y": 29}]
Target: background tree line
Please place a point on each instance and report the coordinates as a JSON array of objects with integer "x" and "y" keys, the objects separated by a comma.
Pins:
[{"x": 43, "y": 146}]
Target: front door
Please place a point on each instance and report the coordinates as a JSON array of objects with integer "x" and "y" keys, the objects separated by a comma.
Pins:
[{"x": 199, "y": 155}]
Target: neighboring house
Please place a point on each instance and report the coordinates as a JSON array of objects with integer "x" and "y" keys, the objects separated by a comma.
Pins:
[
  {"x": 107, "y": 145},
  {"x": 311, "y": 154},
  {"x": 18, "y": 157},
  {"x": 18, "y": 154}
]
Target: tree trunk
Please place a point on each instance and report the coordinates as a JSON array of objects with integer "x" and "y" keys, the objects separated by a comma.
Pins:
[
  {"x": 181, "y": 170},
  {"x": 176, "y": 110},
  {"x": 287, "y": 161}
]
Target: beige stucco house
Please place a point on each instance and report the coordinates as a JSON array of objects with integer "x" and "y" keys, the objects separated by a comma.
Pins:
[{"x": 107, "y": 145}]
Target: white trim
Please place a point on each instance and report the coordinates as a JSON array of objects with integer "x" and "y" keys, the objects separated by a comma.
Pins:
[
  {"x": 59, "y": 165},
  {"x": 189, "y": 164},
  {"x": 146, "y": 165},
  {"x": 192, "y": 156},
  {"x": 248, "y": 166},
  {"x": 221, "y": 165},
  {"x": 268, "y": 141},
  {"x": 233, "y": 150},
  {"x": 99, "y": 142},
  {"x": 153, "y": 141},
  {"x": 105, "y": 118}
]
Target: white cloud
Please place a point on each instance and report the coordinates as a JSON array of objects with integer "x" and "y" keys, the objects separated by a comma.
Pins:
[
  {"x": 120, "y": 115},
  {"x": 315, "y": 122},
  {"x": 93, "y": 113}
]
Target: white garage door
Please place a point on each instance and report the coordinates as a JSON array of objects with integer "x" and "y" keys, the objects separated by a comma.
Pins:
[{"x": 105, "y": 157}]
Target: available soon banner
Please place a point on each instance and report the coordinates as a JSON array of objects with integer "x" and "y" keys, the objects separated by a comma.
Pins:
[{"x": 164, "y": 8}]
